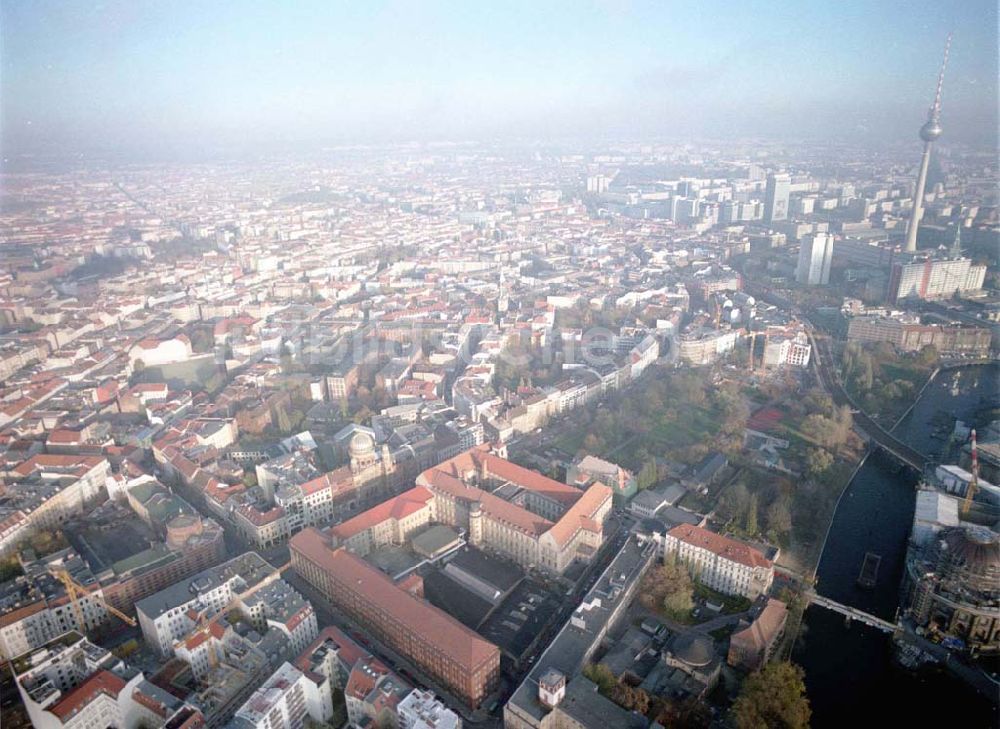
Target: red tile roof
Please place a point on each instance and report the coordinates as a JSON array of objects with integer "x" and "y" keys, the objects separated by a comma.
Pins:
[
  {"x": 41, "y": 461},
  {"x": 723, "y": 546},
  {"x": 417, "y": 617},
  {"x": 407, "y": 503},
  {"x": 764, "y": 629},
  {"x": 582, "y": 506},
  {"x": 102, "y": 682},
  {"x": 348, "y": 651},
  {"x": 493, "y": 506}
]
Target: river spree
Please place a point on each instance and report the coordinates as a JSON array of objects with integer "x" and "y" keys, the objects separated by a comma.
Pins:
[{"x": 849, "y": 672}]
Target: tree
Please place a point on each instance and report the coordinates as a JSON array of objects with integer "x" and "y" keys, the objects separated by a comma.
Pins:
[
  {"x": 779, "y": 518},
  {"x": 928, "y": 356},
  {"x": 602, "y": 676},
  {"x": 734, "y": 502},
  {"x": 751, "y": 522},
  {"x": 591, "y": 443},
  {"x": 884, "y": 352},
  {"x": 284, "y": 423},
  {"x": 680, "y": 600},
  {"x": 818, "y": 460},
  {"x": 774, "y": 697},
  {"x": 688, "y": 714},
  {"x": 864, "y": 377},
  {"x": 819, "y": 402},
  {"x": 669, "y": 588},
  {"x": 9, "y": 569},
  {"x": 647, "y": 475},
  {"x": 829, "y": 432}
]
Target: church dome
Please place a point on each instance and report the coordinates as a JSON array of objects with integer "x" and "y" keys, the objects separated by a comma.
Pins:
[
  {"x": 362, "y": 445},
  {"x": 694, "y": 650}
]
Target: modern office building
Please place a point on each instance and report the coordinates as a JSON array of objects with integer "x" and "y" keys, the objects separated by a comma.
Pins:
[
  {"x": 815, "y": 256},
  {"x": 776, "y": 195}
]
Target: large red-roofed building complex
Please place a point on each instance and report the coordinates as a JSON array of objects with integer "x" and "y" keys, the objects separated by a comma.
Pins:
[
  {"x": 534, "y": 520},
  {"x": 445, "y": 649}
]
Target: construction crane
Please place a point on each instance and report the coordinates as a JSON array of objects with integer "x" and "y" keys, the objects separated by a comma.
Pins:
[
  {"x": 973, "y": 486},
  {"x": 74, "y": 589}
]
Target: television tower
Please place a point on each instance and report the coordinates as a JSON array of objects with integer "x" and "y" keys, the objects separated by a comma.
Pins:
[{"x": 929, "y": 132}]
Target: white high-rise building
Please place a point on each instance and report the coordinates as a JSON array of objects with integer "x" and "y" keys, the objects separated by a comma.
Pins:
[
  {"x": 776, "y": 194},
  {"x": 597, "y": 183},
  {"x": 815, "y": 256}
]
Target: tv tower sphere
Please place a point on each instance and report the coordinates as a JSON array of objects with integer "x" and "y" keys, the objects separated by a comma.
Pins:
[{"x": 931, "y": 130}]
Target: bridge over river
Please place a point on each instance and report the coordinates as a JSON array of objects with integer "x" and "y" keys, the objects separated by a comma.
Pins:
[{"x": 853, "y": 613}]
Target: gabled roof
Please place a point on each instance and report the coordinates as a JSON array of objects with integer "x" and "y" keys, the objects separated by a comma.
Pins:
[
  {"x": 373, "y": 587},
  {"x": 102, "y": 682},
  {"x": 407, "y": 503},
  {"x": 725, "y": 547}
]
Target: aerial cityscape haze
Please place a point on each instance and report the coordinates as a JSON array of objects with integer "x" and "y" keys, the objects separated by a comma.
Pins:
[{"x": 540, "y": 366}]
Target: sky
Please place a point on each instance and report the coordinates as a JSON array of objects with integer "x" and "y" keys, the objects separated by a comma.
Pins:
[{"x": 134, "y": 73}]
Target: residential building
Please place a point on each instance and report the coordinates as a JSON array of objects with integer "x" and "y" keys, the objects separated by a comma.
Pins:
[
  {"x": 423, "y": 710},
  {"x": 70, "y": 682},
  {"x": 719, "y": 562},
  {"x": 279, "y": 704},
  {"x": 934, "y": 278},
  {"x": 170, "y": 614},
  {"x": 786, "y": 349},
  {"x": 912, "y": 336},
  {"x": 373, "y": 693}
]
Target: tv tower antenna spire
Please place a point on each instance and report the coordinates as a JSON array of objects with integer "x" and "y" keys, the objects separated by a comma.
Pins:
[{"x": 929, "y": 132}]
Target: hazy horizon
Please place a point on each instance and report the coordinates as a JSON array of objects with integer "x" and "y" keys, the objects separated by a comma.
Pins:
[{"x": 135, "y": 77}]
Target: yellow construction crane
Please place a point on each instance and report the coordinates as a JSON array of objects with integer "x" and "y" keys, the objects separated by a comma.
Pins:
[
  {"x": 74, "y": 589},
  {"x": 970, "y": 491}
]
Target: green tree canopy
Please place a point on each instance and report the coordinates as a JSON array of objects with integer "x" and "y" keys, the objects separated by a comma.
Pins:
[
  {"x": 818, "y": 460},
  {"x": 774, "y": 697}
]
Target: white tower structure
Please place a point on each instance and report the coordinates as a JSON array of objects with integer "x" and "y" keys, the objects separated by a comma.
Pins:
[{"x": 929, "y": 132}]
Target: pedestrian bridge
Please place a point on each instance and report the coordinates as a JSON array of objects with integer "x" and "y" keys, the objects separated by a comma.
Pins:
[{"x": 853, "y": 613}]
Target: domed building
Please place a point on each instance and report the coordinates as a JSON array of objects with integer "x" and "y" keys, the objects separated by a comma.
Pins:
[
  {"x": 696, "y": 665},
  {"x": 952, "y": 586},
  {"x": 361, "y": 452}
]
